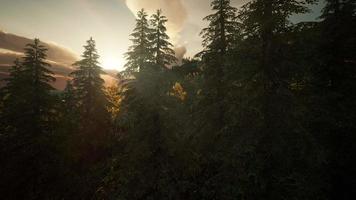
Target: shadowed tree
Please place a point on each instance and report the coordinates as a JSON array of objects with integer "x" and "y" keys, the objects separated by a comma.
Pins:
[
  {"x": 140, "y": 53},
  {"x": 90, "y": 143},
  {"x": 218, "y": 39},
  {"x": 30, "y": 116},
  {"x": 162, "y": 48},
  {"x": 88, "y": 84},
  {"x": 28, "y": 90},
  {"x": 267, "y": 26},
  {"x": 11, "y": 94},
  {"x": 333, "y": 104},
  {"x": 219, "y": 36}
]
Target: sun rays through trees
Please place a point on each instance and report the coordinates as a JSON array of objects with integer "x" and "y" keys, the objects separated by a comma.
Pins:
[{"x": 265, "y": 110}]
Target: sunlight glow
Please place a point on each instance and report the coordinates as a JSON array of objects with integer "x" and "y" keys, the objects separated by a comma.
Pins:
[{"x": 112, "y": 62}]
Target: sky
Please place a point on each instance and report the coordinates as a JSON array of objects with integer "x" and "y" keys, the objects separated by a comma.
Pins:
[{"x": 69, "y": 23}]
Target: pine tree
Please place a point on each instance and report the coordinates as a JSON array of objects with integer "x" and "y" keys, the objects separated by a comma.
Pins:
[
  {"x": 266, "y": 20},
  {"x": 333, "y": 103},
  {"x": 264, "y": 24},
  {"x": 94, "y": 119},
  {"x": 88, "y": 84},
  {"x": 11, "y": 95},
  {"x": 140, "y": 53},
  {"x": 218, "y": 39},
  {"x": 69, "y": 97},
  {"x": 30, "y": 84},
  {"x": 39, "y": 77},
  {"x": 219, "y": 36},
  {"x": 143, "y": 147},
  {"x": 69, "y": 107},
  {"x": 14, "y": 78},
  {"x": 30, "y": 119},
  {"x": 266, "y": 29},
  {"x": 162, "y": 48}
]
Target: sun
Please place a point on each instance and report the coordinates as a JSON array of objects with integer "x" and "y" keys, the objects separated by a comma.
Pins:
[{"x": 112, "y": 62}]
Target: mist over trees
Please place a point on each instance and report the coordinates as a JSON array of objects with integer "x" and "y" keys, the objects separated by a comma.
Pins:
[{"x": 265, "y": 111}]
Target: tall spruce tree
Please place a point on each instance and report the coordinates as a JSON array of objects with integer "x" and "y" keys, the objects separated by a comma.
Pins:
[
  {"x": 266, "y": 27},
  {"x": 69, "y": 111},
  {"x": 163, "y": 53},
  {"x": 143, "y": 148},
  {"x": 333, "y": 104},
  {"x": 140, "y": 53},
  {"x": 30, "y": 85},
  {"x": 30, "y": 118},
  {"x": 93, "y": 127},
  {"x": 39, "y": 77},
  {"x": 266, "y": 21},
  {"x": 92, "y": 103},
  {"x": 88, "y": 84},
  {"x": 219, "y": 35},
  {"x": 14, "y": 78},
  {"x": 218, "y": 39},
  {"x": 11, "y": 97}
]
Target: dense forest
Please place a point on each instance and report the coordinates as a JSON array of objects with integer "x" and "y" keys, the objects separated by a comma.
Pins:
[{"x": 266, "y": 111}]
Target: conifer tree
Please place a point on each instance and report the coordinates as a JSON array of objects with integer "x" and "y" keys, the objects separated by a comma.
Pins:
[
  {"x": 11, "y": 95},
  {"x": 266, "y": 25},
  {"x": 69, "y": 97},
  {"x": 14, "y": 77},
  {"x": 39, "y": 77},
  {"x": 140, "y": 53},
  {"x": 30, "y": 84},
  {"x": 333, "y": 104},
  {"x": 162, "y": 48},
  {"x": 265, "y": 20},
  {"x": 219, "y": 35},
  {"x": 88, "y": 84},
  {"x": 218, "y": 39},
  {"x": 70, "y": 107},
  {"x": 141, "y": 116},
  {"x": 30, "y": 120},
  {"x": 94, "y": 119}
]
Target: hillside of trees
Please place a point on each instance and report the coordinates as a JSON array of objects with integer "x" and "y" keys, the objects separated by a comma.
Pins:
[{"x": 266, "y": 111}]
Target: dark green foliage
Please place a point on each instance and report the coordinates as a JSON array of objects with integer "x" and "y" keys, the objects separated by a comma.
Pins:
[
  {"x": 141, "y": 52},
  {"x": 90, "y": 139},
  {"x": 332, "y": 104},
  {"x": 221, "y": 33},
  {"x": 163, "y": 54},
  {"x": 28, "y": 121},
  {"x": 143, "y": 148},
  {"x": 265, "y": 111},
  {"x": 90, "y": 98},
  {"x": 88, "y": 85}
]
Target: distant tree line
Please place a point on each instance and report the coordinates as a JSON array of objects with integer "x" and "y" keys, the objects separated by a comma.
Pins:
[{"x": 266, "y": 111}]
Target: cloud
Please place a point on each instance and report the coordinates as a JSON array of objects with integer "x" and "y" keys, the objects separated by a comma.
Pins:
[
  {"x": 12, "y": 47},
  {"x": 8, "y": 56},
  {"x": 180, "y": 52},
  {"x": 173, "y": 9},
  {"x": 15, "y": 44},
  {"x": 61, "y": 58}
]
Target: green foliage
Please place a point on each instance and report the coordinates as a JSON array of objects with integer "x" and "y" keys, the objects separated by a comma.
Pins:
[
  {"x": 220, "y": 35},
  {"x": 28, "y": 121},
  {"x": 265, "y": 111},
  {"x": 163, "y": 54},
  {"x": 88, "y": 84},
  {"x": 140, "y": 53}
]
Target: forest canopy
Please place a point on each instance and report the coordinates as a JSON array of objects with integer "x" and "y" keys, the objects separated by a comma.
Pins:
[{"x": 265, "y": 111}]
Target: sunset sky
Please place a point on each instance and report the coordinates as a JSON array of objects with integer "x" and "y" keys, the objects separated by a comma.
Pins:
[{"x": 69, "y": 23}]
